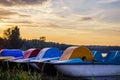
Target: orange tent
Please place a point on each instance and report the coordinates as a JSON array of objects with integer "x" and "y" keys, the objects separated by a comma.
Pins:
[{"x": 77, "y": 52}]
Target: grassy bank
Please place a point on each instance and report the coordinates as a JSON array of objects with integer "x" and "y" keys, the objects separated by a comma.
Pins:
[
  {"x": 18, "y": 72},
  {"x": 15, "y": 74},
  {"x": 26, "y": 75}
]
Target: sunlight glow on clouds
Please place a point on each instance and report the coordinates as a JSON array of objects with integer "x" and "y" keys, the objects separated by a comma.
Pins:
[{"x": 89, "y": 22}]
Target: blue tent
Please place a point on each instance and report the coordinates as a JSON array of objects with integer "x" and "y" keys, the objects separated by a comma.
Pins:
[{"x": 11, "y": 52}]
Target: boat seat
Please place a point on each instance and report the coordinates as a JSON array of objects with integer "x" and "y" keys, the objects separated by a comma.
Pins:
[
  {"x": 48, "y": 53},
  {"x": 31, "y": 53},
  {"x": 111, "y": 55},
  {"x": 45, "y": 54},
  {"x": 11, "y": 52},
  {"x": 93, "y": 53},
  {"x": 77, "y": 52},
  {"x": 97, "y": 55},
  {"x": 117, "y": 58},
  {"x": 118, "y": 54}
]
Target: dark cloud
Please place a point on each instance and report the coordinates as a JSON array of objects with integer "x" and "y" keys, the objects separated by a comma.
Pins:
[
  {"x": 43, "y": 24},
  {"x": 49, "y": 25},
  {"x": 40, "y": 24},
  {"x": 5, "y": 14},
  {"x": 3, "y": 17},
  {"x": 22, "y": 15},
  {"x": 21, "y": 2},
  {"x": 53, "y": 25},
  {"x": 86, "y": 18},
  {"x": 110, "y": 5},
  {"x": 19, "y": 22}
]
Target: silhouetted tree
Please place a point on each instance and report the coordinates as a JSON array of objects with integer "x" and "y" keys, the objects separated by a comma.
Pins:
[
  {"x": 12, "y": 38},
  {"x": 42, "y": 38},
  {"x": 1, "y": 43}
]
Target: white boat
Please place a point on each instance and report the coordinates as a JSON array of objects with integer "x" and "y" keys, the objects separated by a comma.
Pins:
[
  {"x": 88, "y": 69},
  {"x": 82, "y": 65}
]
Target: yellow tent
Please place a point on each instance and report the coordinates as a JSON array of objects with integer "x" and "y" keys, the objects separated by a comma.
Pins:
[{"x": 77, "y": 52}]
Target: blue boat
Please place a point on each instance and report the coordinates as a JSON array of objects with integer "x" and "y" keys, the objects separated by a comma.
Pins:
[
  {"x": 82, "y": 65},
  {"x": 45, "y": 54},
  {"x": 10, "y": 54}
]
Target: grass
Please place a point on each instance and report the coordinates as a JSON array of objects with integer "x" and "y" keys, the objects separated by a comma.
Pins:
[
  {"x": 19, "y": 73},
  {"x": 92, "y": 77},
  {"x": 12, "y": 75}
]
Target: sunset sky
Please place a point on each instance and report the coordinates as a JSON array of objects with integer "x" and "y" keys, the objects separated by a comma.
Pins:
[{"x": 79, "y": 22}]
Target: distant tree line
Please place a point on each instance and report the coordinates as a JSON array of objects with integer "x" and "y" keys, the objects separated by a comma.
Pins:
[
  {"x": 12, "y": 40},
  {"x": 27, "y": 44}
]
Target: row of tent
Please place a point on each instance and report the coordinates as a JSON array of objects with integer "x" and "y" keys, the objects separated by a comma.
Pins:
[{"x": 70, "y": 53}]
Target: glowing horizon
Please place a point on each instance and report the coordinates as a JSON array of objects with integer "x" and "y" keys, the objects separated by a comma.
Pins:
[{"x": 79, "y": 22}]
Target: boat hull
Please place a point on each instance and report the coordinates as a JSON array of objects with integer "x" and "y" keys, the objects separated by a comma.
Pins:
[{"x": 88, "y": 70}]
